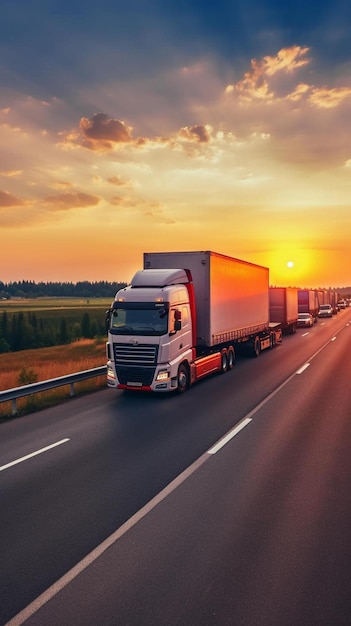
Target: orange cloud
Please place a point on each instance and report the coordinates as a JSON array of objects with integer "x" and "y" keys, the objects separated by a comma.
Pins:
[
  {"x": 256, "y": 84},
  {"x": 117, "y": 200},
  {"x": 199, "y": 132},
  {"x": 10, "y": 173},
  {"x": 114, "y": 180},
  {"x": 74, "y": 200},
  {"x": 329, "y": 98},
  {"x": 288, "y": 59},
  {"x": 101, "y": 132},
  {"x": 8, "y": 200},
  {"x": 61, "y": 184}
]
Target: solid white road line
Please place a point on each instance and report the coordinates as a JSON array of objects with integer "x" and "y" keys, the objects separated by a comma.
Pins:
[
  {"x": 303, "y": 368},
  {"x": 29, "y": 456},
  {"x": 230, "y": 435}
]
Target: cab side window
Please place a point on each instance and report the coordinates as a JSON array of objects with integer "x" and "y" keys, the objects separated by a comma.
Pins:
[{"x": 185, "y": 316}]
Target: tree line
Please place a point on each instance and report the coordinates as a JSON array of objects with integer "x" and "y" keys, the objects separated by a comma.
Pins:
[
  {"x": 82, "y": 289},
  {"x": 23, "y": 331}
]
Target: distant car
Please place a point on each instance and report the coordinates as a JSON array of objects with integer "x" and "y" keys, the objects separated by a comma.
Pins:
[
  {"x": 304, "y": 320},
  {"x": 342, "y": 304},
  {"x": 325, "y": 310}
]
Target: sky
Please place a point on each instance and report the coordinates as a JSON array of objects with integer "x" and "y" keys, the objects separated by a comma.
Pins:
[{"x": 155, "y": 125}]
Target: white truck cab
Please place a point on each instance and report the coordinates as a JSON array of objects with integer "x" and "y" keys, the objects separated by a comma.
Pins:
[{"x": 150, "y": 331}]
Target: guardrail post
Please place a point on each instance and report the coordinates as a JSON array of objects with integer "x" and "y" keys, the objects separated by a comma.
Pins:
[
  {"x": 72, "y": 392},
  {"x": 14, "y": 406}
]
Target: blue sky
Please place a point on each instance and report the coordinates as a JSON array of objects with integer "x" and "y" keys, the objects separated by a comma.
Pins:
[{"x": 175, "y": 124}]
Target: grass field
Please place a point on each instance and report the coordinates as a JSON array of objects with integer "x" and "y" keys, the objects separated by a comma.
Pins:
[
  {"x": 45, "y": 363},
  {"x": 16, "y": 305}
]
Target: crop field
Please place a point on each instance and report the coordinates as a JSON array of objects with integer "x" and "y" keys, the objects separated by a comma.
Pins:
[
  {"x": 27, "y": 366},
  {"x": 18, "y": 305}
]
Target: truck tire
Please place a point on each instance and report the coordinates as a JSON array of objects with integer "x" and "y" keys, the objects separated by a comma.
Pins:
[
  {"x": 183, "y": 378},
  {"x": 256, "y": 347},
  {"x": 224, "y": 361},
  {"x": 231, "y": 358}
]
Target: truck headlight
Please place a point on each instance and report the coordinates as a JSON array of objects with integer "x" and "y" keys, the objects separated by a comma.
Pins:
[
  {"x": 110, "y": 373},
  {"x": 163, "y": 375}
]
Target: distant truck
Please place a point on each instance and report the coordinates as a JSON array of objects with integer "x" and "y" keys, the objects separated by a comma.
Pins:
[
  {"x": 183, "y": 317},
  {"x": 334, "y": 299},
  {"x": 283, "y": 307},
  {"x": 308, "y": 302}
]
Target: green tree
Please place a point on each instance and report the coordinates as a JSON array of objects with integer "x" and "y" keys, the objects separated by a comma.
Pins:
[
  {"x": 63, "y": 334},
  {"x": 4, "y": 332},
  {"x": 85, "y": 326},
  {"x": 4, "y": 346}
]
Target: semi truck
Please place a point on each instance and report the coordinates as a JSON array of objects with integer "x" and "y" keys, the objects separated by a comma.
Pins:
[
  {"x": 308, "y": 302},
  {"x": 283, "y": 307},
  {"x": 183, "y": 317}
]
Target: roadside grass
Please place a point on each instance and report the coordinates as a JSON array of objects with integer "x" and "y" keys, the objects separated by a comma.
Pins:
[{"x": 40, "y": 364}]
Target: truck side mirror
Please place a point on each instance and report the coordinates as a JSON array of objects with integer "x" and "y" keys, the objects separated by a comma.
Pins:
[
  {"x": 177, "y": 320},
  {"x": 108, "y": 319}
]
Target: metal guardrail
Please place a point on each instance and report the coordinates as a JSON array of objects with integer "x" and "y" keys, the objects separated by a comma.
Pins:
[{"x": 26, "y": 390}]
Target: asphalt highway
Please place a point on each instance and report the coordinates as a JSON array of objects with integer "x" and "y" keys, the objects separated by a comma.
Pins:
[{"x": 119, "y": 509}]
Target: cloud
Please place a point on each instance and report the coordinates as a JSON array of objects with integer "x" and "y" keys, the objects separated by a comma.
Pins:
[
  {"x": 329, "y": 98},
  {"x": 288, "y": 59},
  {"x": 257, "y": 83},
  {"x": 101, "y": 132},
  {"x": 61, "y": 184},
  {"x": 271, "y": 81},
  {"x": 144, "y": 208},
  {"x": 10, "y": 173},
  {"x": 74, "y": 200},
  {"x": 8, "y": 200},
  {"x": 117, "y": 200},
  {"x": 199, "y": 132},
  {"x": 115, "y": 180}
]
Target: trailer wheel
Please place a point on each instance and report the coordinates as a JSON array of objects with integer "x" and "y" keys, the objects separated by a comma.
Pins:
[
  {"x": 231, "y": 358},
  {"x": 183, "y": 378},
  {"x": 224, "y": 361},
  {"x": 257, "y": 347}
]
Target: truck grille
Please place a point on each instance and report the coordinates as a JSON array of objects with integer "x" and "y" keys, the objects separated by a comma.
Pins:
[
  {"x": 135, "y": 376},
  {"x": 135, "y": 364},
  {"x": 140, "y": 355}
]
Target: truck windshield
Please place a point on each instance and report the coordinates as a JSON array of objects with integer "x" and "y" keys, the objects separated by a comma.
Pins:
[{"x": 139, "y": 321}]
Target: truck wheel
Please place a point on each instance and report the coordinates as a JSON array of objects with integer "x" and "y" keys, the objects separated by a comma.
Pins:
[
  {"x": 231, "y": 358},
  {"x": 257, "y": 347},
  {"x": 224, "y": 361},
  {"x": 183, "y": 378}
]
